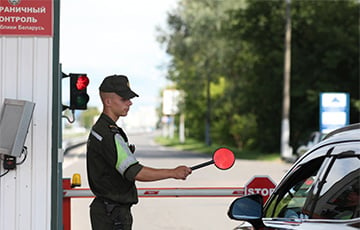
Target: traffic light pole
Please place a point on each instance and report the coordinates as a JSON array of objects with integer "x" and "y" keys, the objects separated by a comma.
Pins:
[{"x": 56, "y": 131}]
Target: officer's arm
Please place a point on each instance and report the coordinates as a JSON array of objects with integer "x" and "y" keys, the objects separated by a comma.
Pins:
[{"x": 154, "y": 174}]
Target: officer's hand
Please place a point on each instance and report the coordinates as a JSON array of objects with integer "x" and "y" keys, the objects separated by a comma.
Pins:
[{"x": 181, "y": 172}]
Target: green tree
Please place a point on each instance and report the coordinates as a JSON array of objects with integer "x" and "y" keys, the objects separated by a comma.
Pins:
[
  {"x": 87, "y": 117},
  {"x": 325, "y": 58},
  {"x": 236, "y": 49},
  {"x": 196, "y": 46}
]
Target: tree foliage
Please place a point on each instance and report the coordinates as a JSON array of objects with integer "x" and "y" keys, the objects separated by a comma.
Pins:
[
  {"x": 87, "y": 117},
  {"x": 235, "y": 48}
]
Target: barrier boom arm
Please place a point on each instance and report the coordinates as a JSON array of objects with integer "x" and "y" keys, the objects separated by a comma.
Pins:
[{"x": 169, "y": 192}]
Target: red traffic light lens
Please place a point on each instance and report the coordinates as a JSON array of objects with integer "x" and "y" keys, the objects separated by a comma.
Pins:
[{"x": 82, "y": 82}]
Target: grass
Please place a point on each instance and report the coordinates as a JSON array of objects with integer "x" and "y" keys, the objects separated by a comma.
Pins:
[{"x": 200, "y": 147}]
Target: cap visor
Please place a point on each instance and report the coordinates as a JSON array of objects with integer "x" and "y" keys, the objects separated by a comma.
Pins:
[{"x": 127, "y": 94}]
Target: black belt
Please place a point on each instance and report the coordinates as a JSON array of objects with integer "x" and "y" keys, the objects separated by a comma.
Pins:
[{"x": 111, "y": 203}]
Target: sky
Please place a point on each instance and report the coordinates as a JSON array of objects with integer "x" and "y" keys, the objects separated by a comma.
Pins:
[{"x": 102, "y": 38}]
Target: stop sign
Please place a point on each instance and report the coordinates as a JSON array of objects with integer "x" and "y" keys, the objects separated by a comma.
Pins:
[{"x": 262, "y": 185}]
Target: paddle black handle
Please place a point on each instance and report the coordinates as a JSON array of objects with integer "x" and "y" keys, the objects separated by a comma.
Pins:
[{"x": 202, "y": 165}]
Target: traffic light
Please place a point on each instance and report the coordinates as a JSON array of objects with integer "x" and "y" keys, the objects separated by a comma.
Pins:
[{"x": 78, "y": 96}]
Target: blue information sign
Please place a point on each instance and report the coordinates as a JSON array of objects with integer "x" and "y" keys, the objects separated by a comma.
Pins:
[{"x": 334, "y": 111}]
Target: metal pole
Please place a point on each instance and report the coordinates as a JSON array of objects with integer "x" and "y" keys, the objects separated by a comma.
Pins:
[
  {"x": 56, "y": 166},
  {"x": 66, "y": 209}
]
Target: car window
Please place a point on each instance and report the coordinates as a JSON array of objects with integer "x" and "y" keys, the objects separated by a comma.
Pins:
[
  {"x": 290, "y": 197},
  {"x": 339, "y": 197}
]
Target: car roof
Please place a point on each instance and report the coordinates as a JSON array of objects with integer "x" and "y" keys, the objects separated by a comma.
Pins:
[
  {"x": 347, "y": 134},
  {"x": 344, "y": 131}
]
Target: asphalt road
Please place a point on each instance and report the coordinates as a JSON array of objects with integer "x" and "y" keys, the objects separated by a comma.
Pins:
[{"x": 175, "y": 213}]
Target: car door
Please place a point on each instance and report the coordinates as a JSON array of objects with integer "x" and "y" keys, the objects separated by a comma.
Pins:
[
  {"x": 337, "y": 196},
  {"x": 323, "y": 190}
]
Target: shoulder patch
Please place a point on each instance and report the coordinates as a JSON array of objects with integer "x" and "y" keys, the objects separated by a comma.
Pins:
[{"x": 96, "y": 135}]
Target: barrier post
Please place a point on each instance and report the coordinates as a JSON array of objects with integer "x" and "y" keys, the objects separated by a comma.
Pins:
[{"x": 66, "y": 205}]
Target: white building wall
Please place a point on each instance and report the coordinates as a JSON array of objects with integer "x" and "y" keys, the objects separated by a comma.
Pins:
[{"x": 26, "y": 74}]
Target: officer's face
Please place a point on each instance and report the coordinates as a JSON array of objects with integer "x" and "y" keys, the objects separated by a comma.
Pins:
[{"x": 120, "y": 106}]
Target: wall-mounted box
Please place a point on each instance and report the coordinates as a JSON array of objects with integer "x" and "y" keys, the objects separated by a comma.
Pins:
[{"x": 14, "y": 124}]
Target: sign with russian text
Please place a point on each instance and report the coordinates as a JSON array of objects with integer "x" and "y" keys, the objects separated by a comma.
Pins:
[{"x": 26, "y": 17}]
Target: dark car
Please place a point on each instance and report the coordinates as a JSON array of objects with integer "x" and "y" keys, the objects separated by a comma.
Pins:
[{"x": 320, "y": 191}]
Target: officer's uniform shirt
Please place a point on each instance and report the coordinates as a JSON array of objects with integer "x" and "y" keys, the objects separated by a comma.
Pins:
[{"x": 111, "y": 165}]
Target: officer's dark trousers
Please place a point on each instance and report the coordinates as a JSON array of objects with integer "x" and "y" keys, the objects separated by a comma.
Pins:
[{"x": 106, "y": 216}]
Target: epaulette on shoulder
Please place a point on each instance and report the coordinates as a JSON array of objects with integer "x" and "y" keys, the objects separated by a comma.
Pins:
[{"x": 114, "y": 129}]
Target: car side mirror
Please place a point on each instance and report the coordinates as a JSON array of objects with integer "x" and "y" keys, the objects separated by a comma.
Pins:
[{"x": 248, "y": 208}]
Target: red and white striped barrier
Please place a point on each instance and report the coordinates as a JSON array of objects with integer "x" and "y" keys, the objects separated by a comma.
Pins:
[
  {"x": 168, "y": 192},
  {"x": 258, "y": 184}
]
